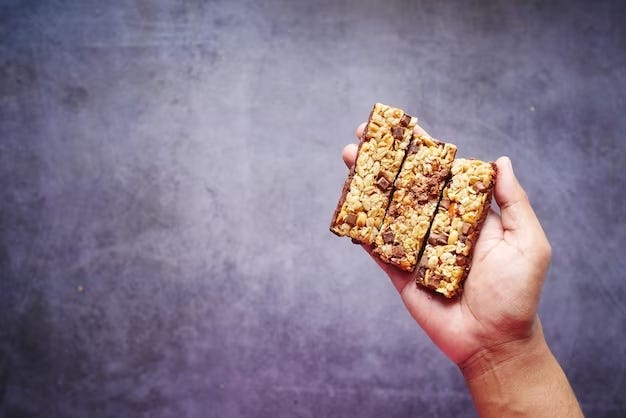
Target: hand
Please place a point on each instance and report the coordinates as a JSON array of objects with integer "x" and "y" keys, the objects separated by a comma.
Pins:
[
  {"x": 499, "y": 303},
  {"x": 492, "y": 332}
]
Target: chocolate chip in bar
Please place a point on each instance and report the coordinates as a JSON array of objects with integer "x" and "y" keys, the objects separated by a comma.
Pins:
[
  {"x": 393, "y": 210},
  {"x": 437, "y": 239},
  {"x": 397, "y": 132},
  {"x": 388, "y": 236},
  {"x": 420, "y": 192},
  {"x": 383, "y": 183},
  {"x": 398, "y": 251},
  {"x": 421, "y": 198}
]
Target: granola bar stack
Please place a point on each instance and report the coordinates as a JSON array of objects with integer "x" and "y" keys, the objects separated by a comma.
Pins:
[{"x": 419, "y": 208}]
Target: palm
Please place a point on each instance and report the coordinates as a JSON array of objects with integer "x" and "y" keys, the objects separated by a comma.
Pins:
[{"x": 488, "y": 308}]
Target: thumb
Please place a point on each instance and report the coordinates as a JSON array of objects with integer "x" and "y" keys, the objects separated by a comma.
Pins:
[{"x": 519, "y": 221}]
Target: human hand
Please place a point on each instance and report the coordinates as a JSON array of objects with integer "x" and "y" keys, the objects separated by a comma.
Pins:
[
  {"x": 499, "y": 303},
  {"x": 492, "y": 331}
]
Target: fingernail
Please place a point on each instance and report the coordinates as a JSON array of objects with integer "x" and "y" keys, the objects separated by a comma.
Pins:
[{"x": 508, "y": 162}]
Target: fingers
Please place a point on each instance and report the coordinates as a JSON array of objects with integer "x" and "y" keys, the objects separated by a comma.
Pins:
[
  {"x": 419, "y": 131},
  {"x": 490, "y": 236},
  {"x": 359, "y": 131},
  {"x": 398, "y": 277},
  {"x": 518, "y": 218},
  {"x": 349, "y": 154},
  {"x": 514, "y": 206},
  {"x": 427, "y": 309}
]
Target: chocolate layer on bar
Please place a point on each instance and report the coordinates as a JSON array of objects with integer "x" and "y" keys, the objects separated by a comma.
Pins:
[
  {"x": 368, "y": 188},
  {"x": 464, "y": 205},
  {"x": 417, "y": 190}
]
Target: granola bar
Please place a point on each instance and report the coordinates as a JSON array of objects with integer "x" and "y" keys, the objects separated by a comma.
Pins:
[
  {"x": 465, "y": 203},
  {"x": 417, "y": 191},
  {"x": 368, "y": 188}
]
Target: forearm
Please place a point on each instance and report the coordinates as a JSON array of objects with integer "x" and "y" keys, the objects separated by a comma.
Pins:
[{"x": 521, "y": 378}]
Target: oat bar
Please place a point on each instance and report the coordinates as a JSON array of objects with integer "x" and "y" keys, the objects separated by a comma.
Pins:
[
  {"x": 465, "y": 203},
  {"x": 416, "y": 193},
  {"x": 367, "y": 190}
]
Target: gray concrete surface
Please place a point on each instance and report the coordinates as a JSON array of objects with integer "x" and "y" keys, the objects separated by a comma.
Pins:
[{"x": 168, "y": 171}]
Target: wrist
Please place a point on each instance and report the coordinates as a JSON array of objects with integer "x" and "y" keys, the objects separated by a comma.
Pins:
[
  {"x": 519, "y": 378},
  {"x": 507, "y": 356}
]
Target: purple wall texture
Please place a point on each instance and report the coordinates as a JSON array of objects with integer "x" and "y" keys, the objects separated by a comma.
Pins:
[{"x": 168, "y": 172}]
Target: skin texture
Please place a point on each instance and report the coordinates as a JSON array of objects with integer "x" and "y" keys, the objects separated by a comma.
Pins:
[{"x": 492, "y": 332}]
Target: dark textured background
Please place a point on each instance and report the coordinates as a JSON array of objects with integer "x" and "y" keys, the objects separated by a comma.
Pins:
[{"x": 168, "y": 172}]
